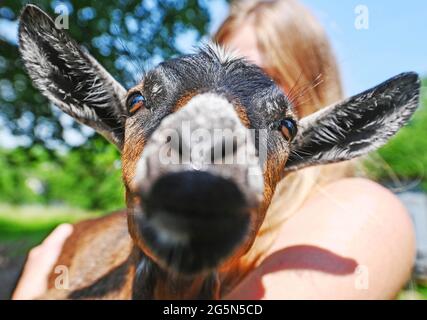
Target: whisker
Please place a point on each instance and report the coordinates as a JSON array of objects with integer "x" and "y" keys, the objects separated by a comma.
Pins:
[
  {"x": 316, "y": 82},
  {"x": 291, "y": 91},
  {"x": 300, "y": 152},
  {"x": 133, "y": 59}
]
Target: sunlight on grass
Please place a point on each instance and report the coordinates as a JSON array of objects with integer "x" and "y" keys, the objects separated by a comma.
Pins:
[
  {"x": 18, "y": 221},
  {"x": 417, "y": 293}
]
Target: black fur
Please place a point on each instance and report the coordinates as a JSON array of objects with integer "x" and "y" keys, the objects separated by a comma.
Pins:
[
  {"x": 357, "y": 125},
  {"x": 69, "y": 76},
  {"x": 242, "y": 83}
]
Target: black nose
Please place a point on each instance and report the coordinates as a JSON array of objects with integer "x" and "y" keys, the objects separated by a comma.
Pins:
[{"x": 194, "y": 219}]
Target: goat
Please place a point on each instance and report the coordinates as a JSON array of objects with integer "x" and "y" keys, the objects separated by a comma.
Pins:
[{"x": 189, "y": 225}]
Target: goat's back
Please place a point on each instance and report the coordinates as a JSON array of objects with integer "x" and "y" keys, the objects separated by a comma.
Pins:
[{"x": 95, "y": 262}]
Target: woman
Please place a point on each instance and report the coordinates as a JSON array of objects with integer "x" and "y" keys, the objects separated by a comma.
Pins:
[
  {"x": 337, "y": 237},
  {"x": 326, "y": 236}
]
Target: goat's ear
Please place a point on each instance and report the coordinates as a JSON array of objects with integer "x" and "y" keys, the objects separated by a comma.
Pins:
[
  {"x": 357, "y": 125},
  {"x": 70, "y": 77}
]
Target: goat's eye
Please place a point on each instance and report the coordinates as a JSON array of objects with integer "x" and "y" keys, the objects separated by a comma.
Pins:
[
  {"x": 289, "y": 129},
  {"x": 134, "y": 102}
]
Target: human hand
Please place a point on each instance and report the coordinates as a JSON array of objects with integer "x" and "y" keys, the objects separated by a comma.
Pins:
[{"x": 40, "y": 261}]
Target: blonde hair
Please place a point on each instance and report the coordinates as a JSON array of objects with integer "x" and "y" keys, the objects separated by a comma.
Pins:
[{"x": 297, "y": 53}]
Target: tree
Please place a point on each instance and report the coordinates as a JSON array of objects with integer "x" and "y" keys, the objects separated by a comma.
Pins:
[{"x": 126, "y": 36}]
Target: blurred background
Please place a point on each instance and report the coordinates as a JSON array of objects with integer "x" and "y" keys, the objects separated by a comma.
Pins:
[{"x": 53, "y": 170}]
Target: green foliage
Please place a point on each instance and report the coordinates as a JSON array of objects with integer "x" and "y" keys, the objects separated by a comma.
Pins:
[
  {"x": 405, "y": 156},
  {"x": 88, "y": 177}
]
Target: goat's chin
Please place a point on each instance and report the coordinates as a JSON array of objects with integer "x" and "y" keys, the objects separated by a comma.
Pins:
[
  {"x": 190, "y": 222},
  {"x": 203, "y": 246}
]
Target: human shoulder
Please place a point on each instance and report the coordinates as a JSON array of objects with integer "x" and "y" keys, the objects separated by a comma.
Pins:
[{"x": 359, "y": 194}]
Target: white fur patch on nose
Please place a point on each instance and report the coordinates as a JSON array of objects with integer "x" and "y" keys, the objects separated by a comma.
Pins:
[
  {"x": 208, "y": 111},
  {"x": 205, "y": 134}
]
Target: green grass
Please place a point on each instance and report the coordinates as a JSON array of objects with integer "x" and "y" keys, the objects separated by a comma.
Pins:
[
  {"x": 417, "y": 292},
  {"x": 423, "y": 291},
  {"x": 31, "y": 224}
]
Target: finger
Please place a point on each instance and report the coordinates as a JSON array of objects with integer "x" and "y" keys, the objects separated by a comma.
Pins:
[{"x": 58, "y": 236}]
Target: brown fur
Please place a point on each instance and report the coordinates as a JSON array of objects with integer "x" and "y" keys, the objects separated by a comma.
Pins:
[
  {"x": 134, "y": 144},
  {"x": 101, "y": 264},
  {"x": 101, "y": 259},
  {"x": 241, "y": 112},
  {"x": 98, "y": 256},
  {"x": 182, "y": 101}
]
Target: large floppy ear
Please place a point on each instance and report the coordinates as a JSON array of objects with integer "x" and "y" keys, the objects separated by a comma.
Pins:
[
  {"x": 357, "y": 125},
  {"x": 70, "y": 77}
]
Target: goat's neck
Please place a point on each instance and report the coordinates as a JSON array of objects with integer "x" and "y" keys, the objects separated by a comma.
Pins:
[{"x": 152, "y": 282}]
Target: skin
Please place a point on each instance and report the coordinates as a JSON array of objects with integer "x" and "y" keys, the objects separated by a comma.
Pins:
[
  {"x": 352, "y": 239},
  {"x": 40, "y": 261},
  {"x": 361, "y": 235}
]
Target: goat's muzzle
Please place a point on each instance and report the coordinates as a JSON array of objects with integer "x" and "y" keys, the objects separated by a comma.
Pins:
[{"x": 200, "y": 184}]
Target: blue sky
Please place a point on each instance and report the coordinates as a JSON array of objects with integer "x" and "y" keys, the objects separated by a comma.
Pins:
[{"x": 395, "y": 41}]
